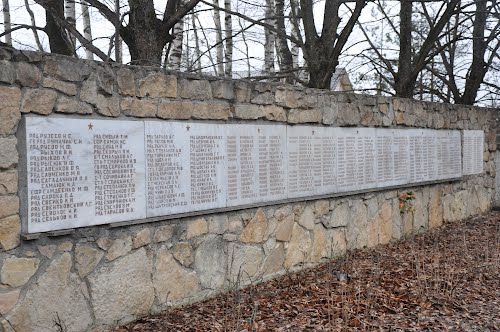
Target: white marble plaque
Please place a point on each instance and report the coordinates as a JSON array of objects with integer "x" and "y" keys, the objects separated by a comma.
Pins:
[
  {"x": 449, "y": 154},
  {"x": 256, "y": 167},
  {"x": 473, "y": 152},
  {"x": 83, "y": 172},
  {"x": 385, "y": 157}
]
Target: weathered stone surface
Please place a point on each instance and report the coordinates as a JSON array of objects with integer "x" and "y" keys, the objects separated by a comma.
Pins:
[
  {"x": 379, "y": 228},
  {"x": 435, "y": 208},
  {"x": 66, "y": 70},
  {"x": 256, "y": 229},
  {"x": 320, "y": 247},
  {"x": 288, "y": 98},
  {"x": 104, "y": 243},
  {"x": 88, "y": 92},
  {"x": 305, "y": 116},
  {"x": 65, "y": 246},
  {"x": 454, "y": 208},
  {"x": 196, "y": 227},
  {"x": 244, "y": 262},
  {"x": 173, "y": 282},
  {"x": 8, "y": 301},
  {"x": 40, "y": 101},
  {"x": 242, "y": 91},
  {"x": 56, "y": 291},
  {"x": 348, "y": 114},
  {"x": 273, "y": 112},
  {"x": 175, "y": 109},
  {"x": 10, "y": 231},
  {"x": 158, "y": 85},
  {"x": 108, "y": 106},
  {"x": 210, "y": 262},
  {"x": 7, "y": 72},
  {"x": 126, "y": 82},
  {"x": 195, "y": 89},
  {"x": 330, "y": 113},
  {"x": 164, "y": 233},
  {"x": 9, "y": 205},
  {"x": 64, "y": 87},
  {"x": 48, "y": 250},
  {"x": 336, "y": 242},
  {"x": 139, "y": 108},
  {"x": 8, "y": 183},
  {"x": 306, "y": 219},
  {"x": 212, "y": 110},
  {"x": 321, "y": 208},
  {"x": 8, "y": 153},
  {"x": 10, "y": 100},
  {"x": 106, "y": 80},
  {"x": 356, "y": 234},
  {"x": 183, "y": 253},
  {"x": 283, "y": 212},
  {"x": 273, "y": 262},
  {"x": 16, "y": 271},
  {"x": 86, "y": 258},
  {"x": 218, "y": 224},
  {"x": 284, "y": 229},
  {"x": 339, "y": 216},
  {"x": 28, "y": 75},
  {"x": 119, "y": 248},
  {"x": 122, "y": 290},
  {"x": 298, "y": 248},
  {"x": 222, "y": 89},
  {"x": 247, "y": 111},
  {"x": 142, "y": 238},
  {"x": 69, "y": 105},
  {"x": 235, "y": 224}
]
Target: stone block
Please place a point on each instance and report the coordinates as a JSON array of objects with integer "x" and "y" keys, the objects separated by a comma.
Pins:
[
  {"x": 119, "y": 248},
  {"x": 142, "y": 238},
  {"x": 183, "y": 253},
  {"x": 28, "y": 75},
  {"x": 40, "y": 101},
  {"x": 86, "y": 259},
  {"x": 273, "y": 112},
  {"x": 88, "y": 91},
  {"x": 305, "y": 116},
  {"x": 48, "y": 250},
  {"x": 298, "y": 247},
  {"x": 8, "y": 153},
  {"x": 9, "y": 205},
  {"x": 222, "y": 89},
  {"x": 196, "y": 228},
  {"x": 244, "y": 262},
  {"x": 108, "y": 106},
  {"x": 164, "y": 233},
  {"x": 8, "y": 301},
  {"x": 348, "y": 114},
  {"x": 320, "y": 247},
  {"x": 10, "y": 231},
  {"x": 283, "y": 212},
  {"x": 10, "y": 114},
  {"x": 8, "y": 183},
  {"x": 59, "y": 291},
  {"x": 321, "y": 208},
  {"x": 289, "y": 98},
  {"x": 69, "y": 105},
  {"x": 17, "y": 271},
  {"x": 242, "y": 91},
  {"x": 65, "y": 246},
  {"x": 339, "y": 216},
  {"x": 273, "y": 262},
  {"x": 264, "y": 98},
  {"x": 158, "y": 85},
  {"x": 139, "y": 108},
  {"x": 122, "y": 290},
  {"x": 195, "y": 89},
  {"x": 330, "y": 113},
  {"x": 7, "y": 72},
  {"x": 210, "y": 262},
  {"x": 256, "y": 229},
  {"x": 284, "y": 228},
  {"x": 218, "y": 224},
  {"x": 211, "y": 110},
  {"x": 64, "y": 87},
  {"x": 126, "y": 82},
  {"x": 66, "y": 70},
  {"x": 306, "y": 219},
  {"x": 106, "y": 80},
  {"x": 336, "y": 242},
  {"x": 172, "y": 282},
  {"x": 175, "y": 109},
  {"x": 248, "y": 111}
]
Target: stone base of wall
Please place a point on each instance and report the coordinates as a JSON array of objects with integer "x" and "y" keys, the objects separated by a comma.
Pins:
[{"x": 103, "y": 277}]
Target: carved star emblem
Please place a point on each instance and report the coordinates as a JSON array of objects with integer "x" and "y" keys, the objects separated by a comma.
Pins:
[
  {"x": 188, "y": 127},
  {"x": 258, "y": 130},
  {"x": 313, "y": 132},
  {"x": 90, "y": 126}
]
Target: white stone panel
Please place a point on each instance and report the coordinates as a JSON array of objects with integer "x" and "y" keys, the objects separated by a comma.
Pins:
[{"x": 473, "y": 152}]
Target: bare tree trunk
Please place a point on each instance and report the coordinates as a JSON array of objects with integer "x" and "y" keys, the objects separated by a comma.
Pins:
[
  {"x": 228, "y": 27},
  {"x": 6, "y": 21},
  {"x": 197, "y": 50},
  {"x": 218, "y": 40},
  {"x": 295, "y": 34},
  {"x": 58, "y": 37},
  {"x": 70, "y": 12},
  {"x": 247, "y": 51},
  {"x": 87, "y": 30},
  {"x": 403, "y": 89},
  {"x": 33, "y": 23},
  {"x": 286, "y": 63},
  {"x": 118, "y": 41},
  {"x": 270, "y": 38},
  {"x": 176, "y": 50}
]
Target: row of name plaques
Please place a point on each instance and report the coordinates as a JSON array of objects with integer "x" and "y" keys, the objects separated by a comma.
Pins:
[{"x": 83, "y": 172}]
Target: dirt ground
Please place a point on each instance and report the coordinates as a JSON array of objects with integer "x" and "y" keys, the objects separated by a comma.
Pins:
[{"x": 444, "y": 280}]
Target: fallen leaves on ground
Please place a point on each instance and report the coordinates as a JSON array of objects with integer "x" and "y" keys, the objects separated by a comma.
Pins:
[{"x": 443, "y": 280}]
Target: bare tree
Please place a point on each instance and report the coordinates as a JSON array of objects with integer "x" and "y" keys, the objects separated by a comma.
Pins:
[
  {"x": 270, "y": 38},
  {"x": 70, "y": 12},
  {"x": 87, "y": 28},
  {"x": 228, "y": 33},
  {"x": 6, "y": 21},
  {"x": 59, "y": 40},
  {"x": 219, "y": 47}
]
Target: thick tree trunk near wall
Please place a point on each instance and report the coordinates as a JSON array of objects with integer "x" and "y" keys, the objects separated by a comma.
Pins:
[
  {"x": 6, "y": 21},
  {"x": 58, "y": 38}
]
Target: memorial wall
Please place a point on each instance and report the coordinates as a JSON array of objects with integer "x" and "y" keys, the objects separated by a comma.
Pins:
[
  {"x": 83, "y": 172},
  {"x": 128, "y": 190}
]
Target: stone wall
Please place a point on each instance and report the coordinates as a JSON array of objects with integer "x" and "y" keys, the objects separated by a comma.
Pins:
[{"x": 103, "y": 276}]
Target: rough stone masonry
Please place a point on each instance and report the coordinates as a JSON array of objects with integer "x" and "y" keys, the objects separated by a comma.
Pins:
[{"x": 104, "y": 276}]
